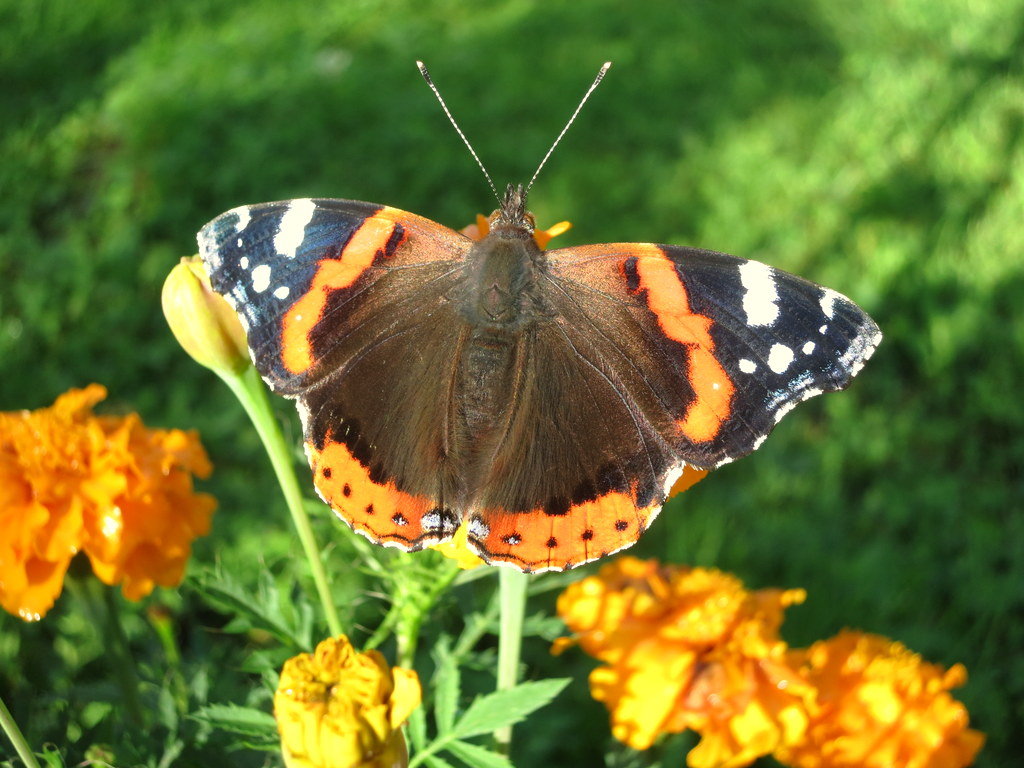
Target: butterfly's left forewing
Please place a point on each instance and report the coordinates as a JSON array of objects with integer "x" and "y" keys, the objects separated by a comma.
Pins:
[
  {"x": 298, "y": 273},
  {"x": 346, "y": 309}
]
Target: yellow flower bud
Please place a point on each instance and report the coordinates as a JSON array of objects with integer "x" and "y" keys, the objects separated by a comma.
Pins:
[
  {"x": 336, "y": 708},
  {"x": 202, "y": 321}
]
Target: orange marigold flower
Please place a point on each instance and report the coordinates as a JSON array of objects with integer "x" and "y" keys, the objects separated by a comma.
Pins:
[
  {"x": 336, "y": 708},
  {"x": 689, "y": 648},
  {"x": 71, "y": 481},
  {"x": 879, "y": 704},
  {"x": 479, "y": 229}
]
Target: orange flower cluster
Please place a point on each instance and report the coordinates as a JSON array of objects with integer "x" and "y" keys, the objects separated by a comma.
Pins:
[
  {"x": 878, "y": 704},
  {"x": 690, "y": 648},
  {"x": 71, "y": 481}
]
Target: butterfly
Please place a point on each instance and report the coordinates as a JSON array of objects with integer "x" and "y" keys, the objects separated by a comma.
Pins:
[{"x": 546, "y": 399}]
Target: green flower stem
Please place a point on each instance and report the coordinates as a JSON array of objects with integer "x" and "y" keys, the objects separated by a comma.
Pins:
[
  {"x": 414, "y": 600},
  {"x": 510, "y": 640},
  {"x": 124, "y": 665},
  {"x": 17, "y": 737},
  {"x": 249, "y": 390}
]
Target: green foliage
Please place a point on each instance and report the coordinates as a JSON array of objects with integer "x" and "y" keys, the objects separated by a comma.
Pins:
[{"x": 877, "y": 148}]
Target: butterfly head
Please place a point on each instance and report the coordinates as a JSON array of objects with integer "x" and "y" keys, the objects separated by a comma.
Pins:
[{"x": 512, "y": 218}]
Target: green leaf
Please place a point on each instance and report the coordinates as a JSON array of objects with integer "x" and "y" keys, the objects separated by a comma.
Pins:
[
  {"x": 263, "y": 610},
  {"x": 51, "y": 756},
  {"x": 235, "y": 719},
  {"x": 478, "y": 757},
  {"x": 418, "y": 729},
  {"x": 447, "y": 685},
  {"x": 547, "y": 627},
  {"x": 507, "y": 707},
  {"x": 436, "y": 762}
]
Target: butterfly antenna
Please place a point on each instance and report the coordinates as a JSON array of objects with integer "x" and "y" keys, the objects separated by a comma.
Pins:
[
  {"x": 426, "y": 76},
  {"x": 597, "y": 81}
]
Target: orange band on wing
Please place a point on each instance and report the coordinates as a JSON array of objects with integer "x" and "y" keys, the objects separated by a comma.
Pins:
[
  {"x": 332, "y": 274},
  {"x": 380, "y": 511},
  {"x": 536, "y": 540},
  {"x": 712, "y": 387}
]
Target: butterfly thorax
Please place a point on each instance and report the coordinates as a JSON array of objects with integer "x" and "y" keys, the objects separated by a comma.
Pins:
[{"x": 500, "y": 293}]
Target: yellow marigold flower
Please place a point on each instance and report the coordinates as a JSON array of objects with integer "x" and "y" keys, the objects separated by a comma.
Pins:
[
  {"x": 458, "y": 550},
  {"x": 689, "y": 648},
  {"x": 879, "y": 704},
  {"x": 336, "y": 708},
  {"x": 71, "y": 481},
  {"x": 479, "y": 229},
  {"x": 202, "y": 321}
]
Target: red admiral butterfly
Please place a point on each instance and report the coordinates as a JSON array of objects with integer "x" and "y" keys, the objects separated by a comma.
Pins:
[{"x": 549, "y": 399}]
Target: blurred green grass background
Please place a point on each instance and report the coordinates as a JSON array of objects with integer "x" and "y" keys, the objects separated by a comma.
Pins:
[{"x": 876, "y": 148}]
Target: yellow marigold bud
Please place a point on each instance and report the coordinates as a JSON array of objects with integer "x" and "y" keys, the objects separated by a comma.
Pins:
[
  {"x": 337, "y": 708},
  {"x": 879, "y": 704},
  {"x": 458, "y": 550},
  {"x": 202, "y": 321}
]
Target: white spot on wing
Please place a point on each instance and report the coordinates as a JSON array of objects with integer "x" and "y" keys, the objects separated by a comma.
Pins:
[
  {"x": 779, "y": 358},
  {"x": 478, "y": 528},
  {"x": 242, "y": 212},
  {"x": 282, "y": 292},
  {"x": 261, "y": 278},
  {"x": 243, "y": 262},
  {"x": 292, "y": 228},
  {"x": 808, "y": 347},
  {"x": 828, "y": 301},
  {"x": 747, "y": 366},
  {"x": 760, "y": 293}
]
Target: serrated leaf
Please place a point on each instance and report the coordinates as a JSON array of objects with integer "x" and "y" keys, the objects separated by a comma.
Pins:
[
  {"x": 507, "y": 707},
  {"x": 447, "y": 686},
  {"x": 436, "y": 762},
  {"x": 235, "y": 719},
  {"x": 541, "y": 625},
  {"x": 260, "y": 611},
  {"x": 418, "y": 729},
  {"x": 478, "y": 757}
]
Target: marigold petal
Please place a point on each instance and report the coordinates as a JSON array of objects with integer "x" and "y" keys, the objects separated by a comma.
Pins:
[
  {"x": 457, "y": 549},
  {"x": 406, "y": 697}
]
